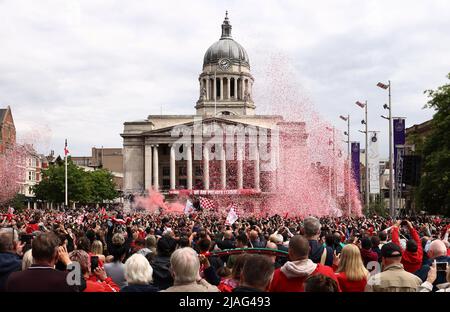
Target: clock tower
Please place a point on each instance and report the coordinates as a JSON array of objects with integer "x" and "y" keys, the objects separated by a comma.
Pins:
[{"x": 225, "y": 82}]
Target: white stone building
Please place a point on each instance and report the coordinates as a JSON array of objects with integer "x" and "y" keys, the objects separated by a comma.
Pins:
[{"x": 151, "y": 146}]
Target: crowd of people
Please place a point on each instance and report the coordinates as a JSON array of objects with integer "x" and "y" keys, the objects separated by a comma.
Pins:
[{"x": 93, "y": 250}]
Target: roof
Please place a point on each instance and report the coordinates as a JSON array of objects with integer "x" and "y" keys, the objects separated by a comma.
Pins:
[{"x": 226, "y": 48}]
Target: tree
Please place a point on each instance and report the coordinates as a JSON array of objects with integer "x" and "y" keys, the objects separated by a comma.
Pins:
[
  {"x": 83, "y": 186},
  {"x": 434, "y": 189},
  {"x": 18, "y": 202},
  {"x": 102, "y": 186}
]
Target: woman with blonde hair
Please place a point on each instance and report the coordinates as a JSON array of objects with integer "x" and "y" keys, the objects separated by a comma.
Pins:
[
  {"x": 97, "y": 250},
  {"x": 351, "y": 273}
]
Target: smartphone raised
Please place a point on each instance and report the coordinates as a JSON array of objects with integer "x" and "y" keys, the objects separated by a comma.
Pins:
[
  {"x": 94, "y": 263},
  {"x": 441, "y": 266}
]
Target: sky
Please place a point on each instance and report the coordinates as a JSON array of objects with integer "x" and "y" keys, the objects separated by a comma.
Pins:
[{"x": 80, "y": 69}]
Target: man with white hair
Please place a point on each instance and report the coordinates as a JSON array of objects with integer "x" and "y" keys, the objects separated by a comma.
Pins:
[
  {"x": 138, "y": 274},
  {"x": 185, "y": 266},
  {"x": 317, "y": 252},
  {"x": 438, "y": 252}
]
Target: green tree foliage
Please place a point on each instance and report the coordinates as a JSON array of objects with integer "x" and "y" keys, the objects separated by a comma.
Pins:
[
  {"x": 102, "y": 186},
  {"x": 434, "y": 190},
  {"x": 18, "y": 202},
  {"x": 83, "y": 186}
]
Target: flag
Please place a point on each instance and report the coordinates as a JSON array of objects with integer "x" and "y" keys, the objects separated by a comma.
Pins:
[
  {"x": 382, "y": 85},
  {"x": 207, "y": 203},
  {"x": 362, "y": 105},
  {"x": 189, "y": 207},
  {"x": 343, "y": 118},
  {"x": 66, "y": 151},
  {"x": 232, "y": 214}
]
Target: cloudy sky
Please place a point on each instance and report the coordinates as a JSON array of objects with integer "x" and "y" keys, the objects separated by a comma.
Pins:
[{"x": 79, "y": 69}]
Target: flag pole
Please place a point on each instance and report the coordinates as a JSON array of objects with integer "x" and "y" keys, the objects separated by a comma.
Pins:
[{"x": 66, "y": 202}]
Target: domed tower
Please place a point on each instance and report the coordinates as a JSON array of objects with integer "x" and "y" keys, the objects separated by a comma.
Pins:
[{"x": 226, "y": 82}]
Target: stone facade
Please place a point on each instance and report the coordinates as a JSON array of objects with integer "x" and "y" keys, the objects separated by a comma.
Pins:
[{"x": 151, "y": 146}]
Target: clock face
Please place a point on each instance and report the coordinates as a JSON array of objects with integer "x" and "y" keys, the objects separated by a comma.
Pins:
[{"x": 224, "y": 64}]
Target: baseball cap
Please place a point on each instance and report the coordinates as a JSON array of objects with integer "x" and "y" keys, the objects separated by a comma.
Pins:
[{"x": 390, "y": 250}]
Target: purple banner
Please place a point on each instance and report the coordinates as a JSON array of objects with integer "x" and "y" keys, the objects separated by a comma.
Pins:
[
  {"x": 355, "y": 164},
  {"x": 399, "y": 139}
]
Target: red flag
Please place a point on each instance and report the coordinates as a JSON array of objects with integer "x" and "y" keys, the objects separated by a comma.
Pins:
[
  {"x": 66, "y": 151},
  {"x": 362, "y": 105},
  {"x": 382, "y": 85}
]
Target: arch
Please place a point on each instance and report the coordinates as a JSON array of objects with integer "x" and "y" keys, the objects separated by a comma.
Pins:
[{"x": 226, "y": 113}]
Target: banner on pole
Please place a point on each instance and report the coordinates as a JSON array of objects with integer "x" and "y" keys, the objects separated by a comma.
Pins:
[
  {"x": 399, "y": 139},
  {"x": 374, "y": 163},
  {"x": 356, "y": 164},
  {"x": 340, "y": 175}
]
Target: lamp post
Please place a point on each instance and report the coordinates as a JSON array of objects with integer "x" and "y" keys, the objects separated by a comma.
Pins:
[
  {"x": 347, "y": 133},
  {"x": 391, "y": 150},
  {"x": 365, "y": 122}
]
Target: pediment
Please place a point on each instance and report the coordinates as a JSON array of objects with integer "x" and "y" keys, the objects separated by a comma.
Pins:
[{"x": 167, "y": 131}]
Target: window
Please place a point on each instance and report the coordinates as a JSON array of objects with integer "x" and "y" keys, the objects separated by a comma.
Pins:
[
  {"x": 218, "y": 87},
  {"x": 182, "y": 183},
  {"x": 198, "y": 171},
  {"x": 166, "y": 184},
  {"x": 182, "y": 171},
  {"x": 166, "y": 171}
]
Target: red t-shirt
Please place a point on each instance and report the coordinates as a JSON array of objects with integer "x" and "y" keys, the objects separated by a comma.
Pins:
[{"x": 350, "y": 286}]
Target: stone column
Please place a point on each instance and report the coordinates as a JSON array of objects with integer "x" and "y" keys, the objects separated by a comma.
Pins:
[
  {"x": 155, "y": 167},
  {"x": 257, "y": 186},
  {"x": 242, "y": 88},
  {"x": 235, "y": 89},
  {"x": 206, "y": 167},
  {"x": 223, "y": 169},
  {"x": 189, "y": 166},
  {"x": 207, "y": 89},
  {"x": 221, "y": 88},
  {"x": 215, "y": 89},
  {"x": 228, "y": 88},
  {"x": 148, "y": 166},
  {"x": 172, "y": 167},
  {"x": 240, "y": 171}
]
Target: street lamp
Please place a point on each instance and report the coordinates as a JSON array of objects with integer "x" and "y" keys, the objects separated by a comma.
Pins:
[
  {"x": 365, "y": 122},
  {"x": 391, "y": 150},
  {"x": 347, "y": 133}
]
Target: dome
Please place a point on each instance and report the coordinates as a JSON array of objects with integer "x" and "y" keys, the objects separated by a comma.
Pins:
[{"x": 226, "y": 47}]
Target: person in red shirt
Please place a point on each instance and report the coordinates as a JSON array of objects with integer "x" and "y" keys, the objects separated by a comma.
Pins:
[
  {"x": 413, "y": 254},
  {"x": 291, "y": 276},
  {"x": 98, "y": 281},
  {"x": 351, "y": 273}
]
